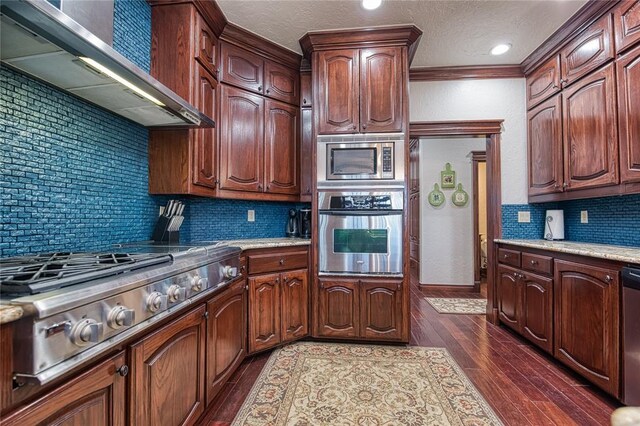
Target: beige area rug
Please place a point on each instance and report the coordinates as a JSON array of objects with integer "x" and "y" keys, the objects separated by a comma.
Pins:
[
  {"x": 449, "y": 305},
  {"x": 322, "y": 384}
]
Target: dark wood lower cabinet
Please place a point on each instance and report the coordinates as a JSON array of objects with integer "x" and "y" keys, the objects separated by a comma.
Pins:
[
  {"x": 264, "y": 321},
  {"x": 338, "y": 305},
  {"x": 537, "y": 310},
  {"x": 295, "y": 305},
  {"x": 509, "y": 297},
  {"x": 587, "y": 322},
  {"x": 381, "y": 310},
  {"x": 167, "y": 383},
  {"x": 96, "y": 397},
  {"x": 226, "y": 336}
]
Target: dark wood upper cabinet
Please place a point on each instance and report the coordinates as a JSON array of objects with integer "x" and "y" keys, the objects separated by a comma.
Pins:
[
  {"x": 281, "y": 83},
  {"x": 509, "y": 292},
  {"x": 226, "y": 336},
  {"x": 306, "y": 97},
  {"x": 626, "y": 20},
  {"x": 281, "y": 148},
  {"x": 96, "y": 397},
  {"x": 205, "y": 148},
  {"x": 537, "y": 310},
  {"x": 381, "y": 91},
  {"x": 295, "y": 305},
  {"x": 543, "y": 82},
  {"x": 306, "y": 154},
  {"x": 168, "y": 370},
  {"x": 381, "y": 313},
  {"x": 241, "y": 68},
  {"x": 241, "y": 140},
  {"x": 588, "y": 51},
  {"x": 545, "y": 147},
  {"x": 264, "y": 321},
  {"x": 628, "y": 67},
  {"x": 587, "y": 322},
  {"x": 206, "y": 45},
  {"x": 338, "y": 308},
  {"x": 591, "y": 131},
  {"x": 337, "y": 87}
]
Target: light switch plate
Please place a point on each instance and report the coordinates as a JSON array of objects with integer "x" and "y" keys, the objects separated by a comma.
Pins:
[
  {"x": 584, "y": 216},
  {"x": 251, "y": 215},
  {"x": 524, "y": 217}
]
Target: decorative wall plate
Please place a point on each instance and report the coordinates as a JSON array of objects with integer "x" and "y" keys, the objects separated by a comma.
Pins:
[
  {"x": 460, "y": 197},
  {"x": 436, "y": 197},
  {"x": 448, "y": 177}
]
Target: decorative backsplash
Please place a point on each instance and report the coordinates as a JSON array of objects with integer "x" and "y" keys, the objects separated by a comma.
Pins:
[{"x": 612, "y": 220}]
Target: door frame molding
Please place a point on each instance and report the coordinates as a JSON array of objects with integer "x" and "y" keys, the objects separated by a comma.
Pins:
[
  {"x": 476, "y": 158},
  {"x": 491, "y": 130}
]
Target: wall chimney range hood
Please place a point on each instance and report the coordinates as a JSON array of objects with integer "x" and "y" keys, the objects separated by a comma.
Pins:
[{"x": 40, "y": 40}]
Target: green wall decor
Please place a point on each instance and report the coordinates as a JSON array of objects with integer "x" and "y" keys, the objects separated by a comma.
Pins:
[
  {"x": 436, "y": 197},
  {"x": 460, "y": 197},
  {"x": 447, "y": 177}
]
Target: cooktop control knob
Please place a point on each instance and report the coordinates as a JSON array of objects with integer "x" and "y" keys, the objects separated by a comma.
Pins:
[
  {"x": 176, "y": 293},
  {"x": 156, "y": 301},
  {"x": 198, "y": 283},
  {"x": 86, "y": 331},
  {"x": 121, "y": 316},
  {"x": 229, "y": 272}
]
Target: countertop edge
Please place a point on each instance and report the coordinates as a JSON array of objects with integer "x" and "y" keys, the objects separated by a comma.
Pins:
[
  {"x": 253, "y": 244},
  {"x": 601, "y": 251}
]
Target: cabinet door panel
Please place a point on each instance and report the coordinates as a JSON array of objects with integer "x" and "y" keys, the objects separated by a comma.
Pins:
[
  {"x": 509, "y": 297},
  {"x": 226, "y": 336},
  {"x": 205, "y": 155},
  {"x": 628, "y": 67},
  {"x": 543, "y": 82},
  {"x": 281, "y": 83},
  {"x": 337, "y": 92},
  {"x": 545, "y": 147},
  {"x": 381, "y": 314},
  {"x": 626, "y": 20},
  {"x": 206, "y": 46},
  {"x": 591, "y": 131},
  {"x": 295, "y": 305},
  {"x": 168, "y": 371},
  {"x": 281, "y": 145},
  {"x": 306, "y": 152},
  {"x": 537, "y": 312},
  {"x": 381, "y": 94},
  {"x": 264, "y": 312},
  {"x": 588, "y": 51},
  {"x": 241, "y": 68},
  {"x": 586, "y": 322},
  {"x": 96, "y": 397},
  {"x": 241, "y": 140},
  {"x": 338, "y": 308}
]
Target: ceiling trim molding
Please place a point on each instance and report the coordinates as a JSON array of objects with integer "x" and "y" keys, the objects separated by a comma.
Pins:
[
  {"x": 398, "y": 35},
  {"x": 419, "y": 129},
  {"x": 245, "y": 39},
  {"x": 584, "y": 17},
  {"x": 465, "y": 72}
]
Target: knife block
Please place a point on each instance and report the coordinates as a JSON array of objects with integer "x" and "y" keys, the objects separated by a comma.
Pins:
[{"x": 161, "y": 233}]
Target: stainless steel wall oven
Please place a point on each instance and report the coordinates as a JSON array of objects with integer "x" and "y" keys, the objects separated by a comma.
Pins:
[{"x": 360, "y": 232}]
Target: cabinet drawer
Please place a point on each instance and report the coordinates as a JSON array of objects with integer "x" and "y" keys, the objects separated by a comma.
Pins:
[
  {"x": 509, "y": 257},
  {"x": 537, "y": 263},
  {"x": 262, "y": 263}
]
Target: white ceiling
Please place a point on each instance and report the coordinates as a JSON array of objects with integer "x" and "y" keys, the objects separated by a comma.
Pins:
[{"x": 456, "y": 32}]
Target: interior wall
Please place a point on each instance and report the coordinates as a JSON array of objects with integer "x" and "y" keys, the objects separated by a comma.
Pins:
[
  {"x": 482, "y": 198},
  {"x": 446, "y": 240}
]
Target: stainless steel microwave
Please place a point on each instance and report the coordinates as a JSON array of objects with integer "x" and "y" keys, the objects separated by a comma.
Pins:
[{"x": 360, "y": 162}]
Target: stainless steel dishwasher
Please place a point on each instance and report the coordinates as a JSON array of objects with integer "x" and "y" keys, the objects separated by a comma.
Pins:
[{"x": 631, "y": 332}]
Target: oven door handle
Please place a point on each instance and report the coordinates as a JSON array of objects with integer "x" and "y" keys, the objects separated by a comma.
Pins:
[{"x": 361, "y": 213}]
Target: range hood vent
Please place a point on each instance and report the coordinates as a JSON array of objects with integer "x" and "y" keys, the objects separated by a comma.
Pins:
[{"x": 40, "y": 40}]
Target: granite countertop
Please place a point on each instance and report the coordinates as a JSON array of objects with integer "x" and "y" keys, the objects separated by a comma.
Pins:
[
  {"x": 258, "y": 243},
  {"x": 603, "y": 251},
  {"x": 9, "y": 313}
]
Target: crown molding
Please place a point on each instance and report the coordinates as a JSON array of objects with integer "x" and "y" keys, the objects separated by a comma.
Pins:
[
  {"x": 465, "y": 72},
  {"x": 454, "y": 128}
]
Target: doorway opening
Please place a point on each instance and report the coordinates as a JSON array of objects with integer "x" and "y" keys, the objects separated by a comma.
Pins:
[{"x": 479, "y": 179}]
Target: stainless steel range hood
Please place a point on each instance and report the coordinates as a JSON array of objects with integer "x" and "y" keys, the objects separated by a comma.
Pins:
[{"x": 40, "y": 40}]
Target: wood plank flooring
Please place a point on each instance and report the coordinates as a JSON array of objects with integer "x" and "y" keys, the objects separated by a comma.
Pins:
[{"x": 522, "y": 384}]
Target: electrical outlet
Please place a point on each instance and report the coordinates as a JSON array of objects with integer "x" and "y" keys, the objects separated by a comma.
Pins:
[
  {"x": 251, "y": 215},
  {"x": 524, "y": 217},
  {"x": 584, "y": 216}
]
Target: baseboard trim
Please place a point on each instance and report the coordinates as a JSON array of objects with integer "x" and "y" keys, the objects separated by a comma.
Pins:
[{"x": 449, "y": 287}]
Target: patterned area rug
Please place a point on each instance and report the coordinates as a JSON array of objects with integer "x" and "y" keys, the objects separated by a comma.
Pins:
[
  {"x": 322, "y": 384},
  {"x": 448, "y": 305}
]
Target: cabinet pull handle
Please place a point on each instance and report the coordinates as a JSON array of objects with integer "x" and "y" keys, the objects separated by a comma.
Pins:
[
  {"x": 268, "y": 90},
  {"x": 515, "y": 275},
  {"x": 354, "y": 127},
  {"x": 506, "y": 256},
  {"x": 608, "y": 278},
  {"x": 364, "y": 126},
  {"x": 534, "y": 262},
  {"x": 259, "y": 186},
  {"x": 260, "y": 88},
  {"x": 123, "y": 370},
  {"x": 304, "y": 101}
]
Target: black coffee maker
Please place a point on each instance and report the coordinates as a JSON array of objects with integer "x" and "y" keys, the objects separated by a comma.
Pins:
[
  {"x": 304, "y": 216},
  {"x": 292, "y": 229}
]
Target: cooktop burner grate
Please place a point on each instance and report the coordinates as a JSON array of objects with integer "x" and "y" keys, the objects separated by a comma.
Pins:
[{"x": 45, "y": 272}]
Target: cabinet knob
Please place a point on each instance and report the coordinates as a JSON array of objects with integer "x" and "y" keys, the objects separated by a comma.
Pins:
[
  {"x": 515, "y": 275},
  {"x": 506, "y": 256},
  {"x": 123, "y": 370},
  {"x": 304, "y": 101},
  {"x": 534, "y": 262},
  {"x": 354, "y": 127},
  {"x": 268, "y": 90},
  {"x": 259, "y": 88},
  {"x": 259, "y": 186},
  {"x": 281, "y": 262},
  {"x": 321, "y": 285},
  {"x": 277, "y": 280},
  {"x": 565, "y": 185},
  {"x": 608, "y": 278},
  {"x": 364, "y": 126}
]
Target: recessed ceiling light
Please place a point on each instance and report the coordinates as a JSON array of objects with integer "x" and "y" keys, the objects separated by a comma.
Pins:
[
  {"x": 371, "y": 4},
  {"x": 500, "y": 49}
]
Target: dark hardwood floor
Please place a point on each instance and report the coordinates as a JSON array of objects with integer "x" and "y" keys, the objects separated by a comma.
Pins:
[{"x": 523, "y": 385}]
